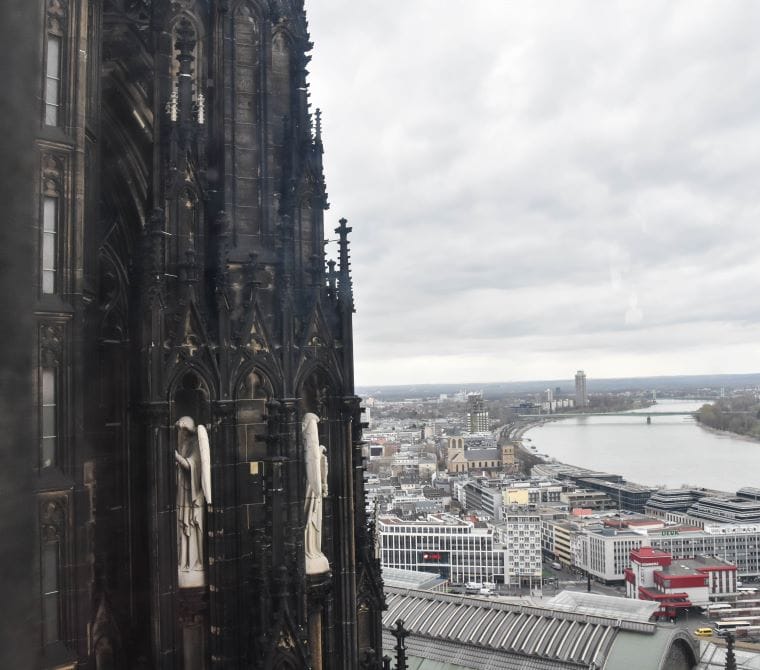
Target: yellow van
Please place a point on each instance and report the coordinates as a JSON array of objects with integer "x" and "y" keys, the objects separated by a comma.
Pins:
[{"x": 703, "y": 632}]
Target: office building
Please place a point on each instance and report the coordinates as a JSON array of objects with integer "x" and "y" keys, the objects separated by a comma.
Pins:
[
  {"x": 456, "y": 549},
  {"x": 556, "y": 539},
  {"x": 477, "y": 414},
  {"x": 726, "y": 510},
  {"x": 604, "y": 552},
  {"x": 628, "y": 496},
  {"x": 666, "y": 502},
  {"x": 581, "y": 396},
  {"x": 737, "y": 544}
]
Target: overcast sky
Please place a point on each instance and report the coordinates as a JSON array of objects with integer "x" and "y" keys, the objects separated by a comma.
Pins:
[{"x": 538, "y": 187}]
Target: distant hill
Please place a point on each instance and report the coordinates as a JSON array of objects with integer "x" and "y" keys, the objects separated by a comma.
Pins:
[{"x": 493, "y": 391}]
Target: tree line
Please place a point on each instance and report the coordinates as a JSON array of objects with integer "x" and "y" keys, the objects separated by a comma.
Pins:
[{"x": 738, "y": 414}]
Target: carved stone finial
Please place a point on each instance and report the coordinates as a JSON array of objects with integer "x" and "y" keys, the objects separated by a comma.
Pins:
[
  {"x": 331, "y": 275},
  {"x": 56, "y": 15},
  {"x": 318, "y": 126},
  {"x": 53, "y": 518},
  {"x": 400, "y": 633},
  {"x": 201, "y": 113},
  {"x": 171, "y": 107},
  {"x": 185, "y": 38},
  {"x": 51, "y": 344},
  {"x": 185, "y": 46},
  {"x": 345, "y": 286}
]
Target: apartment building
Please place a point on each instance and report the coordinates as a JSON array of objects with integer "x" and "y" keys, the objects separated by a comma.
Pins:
[{"x": 520, "y": 533}]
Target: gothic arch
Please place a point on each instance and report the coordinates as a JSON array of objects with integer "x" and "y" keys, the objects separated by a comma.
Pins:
[
  {"x": 283, "y": 662},
  {"x": 126, "y": 157},
  {"x": 266, "y": 375},
  {"x": 253, "y": 8},
  {"x": 680, "y": 654},
  {"x": 283, "y": 37},
  {"x": 113, "y": 299},
  {"x": 190, "y": 393},
  {"x": 315, "y": 378}
]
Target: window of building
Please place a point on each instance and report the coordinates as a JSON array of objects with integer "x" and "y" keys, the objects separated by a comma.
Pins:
[
  {"x": 49, "y": 244},
  {"x": 51, "y": 593},
  {"x": 53, "y": 81},
  {"x": 48, "y": 416}
]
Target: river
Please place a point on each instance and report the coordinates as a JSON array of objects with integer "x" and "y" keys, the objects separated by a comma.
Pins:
[{"x": 671, "y": 451}]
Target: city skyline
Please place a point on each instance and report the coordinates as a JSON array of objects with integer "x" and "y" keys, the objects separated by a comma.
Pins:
[{"x": 543, "y": 192}]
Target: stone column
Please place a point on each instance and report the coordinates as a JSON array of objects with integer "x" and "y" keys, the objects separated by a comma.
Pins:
[
  {"x": 162, "y": 532},
  {"x": 223, "y": 594},
  {"x": 319, "y": 587}
]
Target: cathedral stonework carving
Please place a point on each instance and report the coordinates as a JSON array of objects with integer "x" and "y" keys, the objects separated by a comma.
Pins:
[
  {"x": 51, "y": 344},
  {"x": 53, "y": 518},
  {"x": 196, "y": 355},
  {"x": 193, "y": 460},
  {"x": 316, "y": 490}
]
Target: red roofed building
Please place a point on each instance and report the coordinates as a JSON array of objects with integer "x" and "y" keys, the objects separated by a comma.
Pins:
[{"x": 677, "y": 583}]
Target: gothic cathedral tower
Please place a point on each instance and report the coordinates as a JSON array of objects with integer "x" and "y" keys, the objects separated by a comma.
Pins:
[{"x": 200, "y": 469}]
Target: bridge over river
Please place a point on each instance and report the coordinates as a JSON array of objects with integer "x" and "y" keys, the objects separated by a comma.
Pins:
[{"x": 636, "y": 413}]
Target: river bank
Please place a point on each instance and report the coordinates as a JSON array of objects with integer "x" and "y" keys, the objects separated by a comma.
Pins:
[{"x": 728, "y": 433}]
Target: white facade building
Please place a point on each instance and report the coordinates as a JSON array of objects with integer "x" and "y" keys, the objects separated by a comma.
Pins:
[
  {"x": 738, "y": 544},
  {"x": 520, "y": 533},
  {"x": 458, "y": 550},
  {"x": 604, "y": 553}
]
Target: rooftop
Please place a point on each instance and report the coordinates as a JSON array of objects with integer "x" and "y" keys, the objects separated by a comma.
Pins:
[
  {"x": 573, "y": 630},
  {"x": 411, "y": 579},
  {"x": 441, "y": 519}
]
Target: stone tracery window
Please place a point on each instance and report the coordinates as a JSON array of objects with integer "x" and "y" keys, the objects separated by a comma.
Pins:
[
  {"x": 55, "y": 47},
  {"x": 48, "y": 416},
  {"x": 50, "y": 217},
  {"x": 48, "y": 257},
  {"x": 50, "y": 592},
  {"x": 53, "y": 81},
  {"x": 49, "y": 394}
]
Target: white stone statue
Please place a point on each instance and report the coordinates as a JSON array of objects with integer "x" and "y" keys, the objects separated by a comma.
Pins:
[
  {"x": 193, "y": 494},
  {"x": 315, "y": 456}
]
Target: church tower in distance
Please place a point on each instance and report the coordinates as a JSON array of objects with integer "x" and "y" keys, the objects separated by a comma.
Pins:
[{"x": 199, "y": 468}]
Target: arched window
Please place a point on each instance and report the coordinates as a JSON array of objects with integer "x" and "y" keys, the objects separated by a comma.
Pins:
[
  {"x": 50, "y": 228},
  {"x": 191, "y": 398},
  {"x": 54, "y": 49}
]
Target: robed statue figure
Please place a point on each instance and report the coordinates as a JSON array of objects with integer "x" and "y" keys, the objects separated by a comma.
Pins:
[
  {"x": 315, "y": 456},
  {"x": 193, "y": 494}
]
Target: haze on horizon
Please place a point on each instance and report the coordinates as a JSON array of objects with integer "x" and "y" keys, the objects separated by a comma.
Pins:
[{"x": 538, "y": 188}]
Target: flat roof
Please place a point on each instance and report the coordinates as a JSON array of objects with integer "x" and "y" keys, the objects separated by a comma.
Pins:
[{"x": 411, "y": 579}]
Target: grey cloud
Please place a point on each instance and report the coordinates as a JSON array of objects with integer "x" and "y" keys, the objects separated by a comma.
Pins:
[{"x": 538, "y": 185}]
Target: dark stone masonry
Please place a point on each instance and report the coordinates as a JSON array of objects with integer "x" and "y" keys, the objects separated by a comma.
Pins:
[{"x": 178, "y": 269}]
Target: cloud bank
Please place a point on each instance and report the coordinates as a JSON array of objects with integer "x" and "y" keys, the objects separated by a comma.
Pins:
[{"x": 540, "y": 187}]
